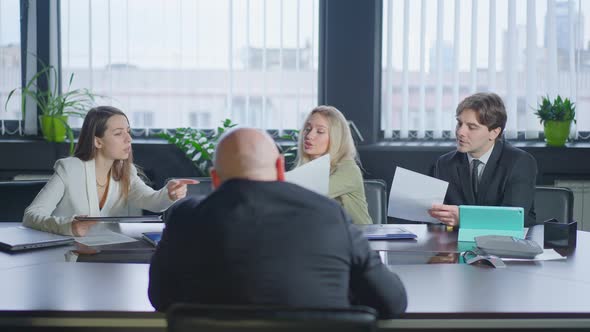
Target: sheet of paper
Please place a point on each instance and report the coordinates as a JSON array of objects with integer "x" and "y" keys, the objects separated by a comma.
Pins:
[
  {"x": 412, "y": 194},
  {"x": 103, "y": 237},
  {"x": 547, "y": 255},
  {"x": 315, "y": 175}
]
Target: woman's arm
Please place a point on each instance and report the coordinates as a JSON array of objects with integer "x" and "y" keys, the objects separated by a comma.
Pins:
[
  {"x": 146, "y": 198},
  {"x": 38, "y": 214},
  {"x": 346, "y": 178}
]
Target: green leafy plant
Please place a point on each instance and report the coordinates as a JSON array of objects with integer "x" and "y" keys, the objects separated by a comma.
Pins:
[
  {"x": 558, "y": 110},
  {"x": 290, "y": 149},
  {"x": 198, "y": 145},
  {"x": 55, "y": 106}
]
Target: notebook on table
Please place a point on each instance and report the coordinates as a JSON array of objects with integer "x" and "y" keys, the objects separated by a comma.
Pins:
[
  {"x": 386, "y": 232},
  {"x": 23, "y": 238},
  {"x": 152, "y": 237}
]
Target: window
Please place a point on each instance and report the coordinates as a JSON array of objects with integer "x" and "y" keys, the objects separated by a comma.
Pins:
[
  {"x": 199, "y": 119},
  {"x": 10, "y": 61},
  {"x": 253, "y": 61},
  {"x": 143, "y": 119},
  {"x": 435, "y": 53}
]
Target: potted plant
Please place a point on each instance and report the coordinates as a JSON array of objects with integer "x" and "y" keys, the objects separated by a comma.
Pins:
[
  {"x": 556, "y": 118},
  {"x": 55, "y": 107},
  {"x": 198, "y": 145}
]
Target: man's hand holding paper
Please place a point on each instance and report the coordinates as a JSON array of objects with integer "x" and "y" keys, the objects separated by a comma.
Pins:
[{"x": 413, "y": 194}]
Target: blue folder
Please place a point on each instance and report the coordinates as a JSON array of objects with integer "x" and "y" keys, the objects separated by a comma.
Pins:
[
  {"x": 386, "y": 232},
  {"x": 152, "y": 237},
  {"x": 490, "y": 220}
]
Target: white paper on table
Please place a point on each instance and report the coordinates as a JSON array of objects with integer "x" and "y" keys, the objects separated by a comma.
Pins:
[
  {"x": 99, "y": 237},
  {"x": 412, "y": 195},
  {"x": 547, "y": 255},
  {"x": 315, "y": 175}
]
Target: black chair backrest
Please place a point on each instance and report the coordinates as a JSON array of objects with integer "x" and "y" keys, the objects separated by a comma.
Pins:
[
  {"x": 185, "y": 318},
  {"x": 16, "y": 196},
  {"x": 554, "y": 202},
  {"x": 376, "y": 194}
]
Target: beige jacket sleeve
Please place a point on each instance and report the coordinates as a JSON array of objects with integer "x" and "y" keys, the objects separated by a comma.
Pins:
[
  {"x": 146, "y": 198},
  {"x": 39, "y": 216}
]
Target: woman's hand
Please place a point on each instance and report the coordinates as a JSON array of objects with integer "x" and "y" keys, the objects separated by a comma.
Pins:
[
  {"x": 81, "y": 228},
  {"x": 447, "y": 214},
  {"x": 177, "y": 188}
]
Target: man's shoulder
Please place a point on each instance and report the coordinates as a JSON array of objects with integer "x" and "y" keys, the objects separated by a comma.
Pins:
[
  {"x": 511, "y": 155},
  {"x": 297, "y": 193},
  {"x": 449, "y": 157},
  {"x": 184, "y": 207}
]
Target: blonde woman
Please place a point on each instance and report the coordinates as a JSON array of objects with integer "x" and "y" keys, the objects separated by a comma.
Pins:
[{"x": 326, "y": 131}]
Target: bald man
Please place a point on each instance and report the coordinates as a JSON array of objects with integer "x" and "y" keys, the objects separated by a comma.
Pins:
[{"x": 261, "y": 241}]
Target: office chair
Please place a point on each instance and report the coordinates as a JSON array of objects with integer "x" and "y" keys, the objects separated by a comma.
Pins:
[
  {"x": 16, "y": 196},
  {"x": 376, "y": 194},
  {"x": 219, "y": 318},
  {"x": 554, "y": 202}
]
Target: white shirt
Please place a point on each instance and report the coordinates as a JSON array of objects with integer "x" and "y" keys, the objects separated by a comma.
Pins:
[{"x": 483, "y": 159}]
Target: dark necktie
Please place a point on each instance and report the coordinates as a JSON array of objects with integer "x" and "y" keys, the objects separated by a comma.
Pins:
[{"x": 475, "y": 175}]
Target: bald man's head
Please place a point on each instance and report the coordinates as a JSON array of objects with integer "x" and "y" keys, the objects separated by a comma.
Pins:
[{"x": 247, "y": 153}]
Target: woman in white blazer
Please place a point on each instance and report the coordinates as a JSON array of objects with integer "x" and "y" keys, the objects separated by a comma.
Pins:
[{"x": 99, "y": 180}]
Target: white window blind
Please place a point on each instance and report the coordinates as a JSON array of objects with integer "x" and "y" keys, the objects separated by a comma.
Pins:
[
  {"x": 435, "y": 53},
  {"x": 195, "y": 62},
  {"x": 10, "y": 64}
]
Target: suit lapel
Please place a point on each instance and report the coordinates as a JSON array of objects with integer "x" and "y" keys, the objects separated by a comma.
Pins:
[
  {"x": 91, "y": 190},
  {"x": 490, "y": 170},
  {"x": 465, "y": 179}
]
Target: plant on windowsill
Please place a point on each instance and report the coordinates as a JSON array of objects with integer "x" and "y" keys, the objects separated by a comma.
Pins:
[
  {"x": 556, "y": 118},
  {"x": 289, "y": 150},
  {"x": 198, "y": 145},
  {"x": 55, "y": 107}
]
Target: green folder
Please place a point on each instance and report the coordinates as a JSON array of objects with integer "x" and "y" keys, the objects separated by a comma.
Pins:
[{"x": 490, "y": 220}]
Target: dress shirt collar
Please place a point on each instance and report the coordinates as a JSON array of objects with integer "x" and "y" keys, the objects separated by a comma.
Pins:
[{"x": 484, "y": 158}]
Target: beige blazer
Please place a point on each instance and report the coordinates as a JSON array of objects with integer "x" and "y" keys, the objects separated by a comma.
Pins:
[{"x": 72, "y": 191}]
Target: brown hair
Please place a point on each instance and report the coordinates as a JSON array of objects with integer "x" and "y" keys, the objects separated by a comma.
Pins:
[
  {"x": 489, "y": 109},
  {"x": 95, "y": 125}
]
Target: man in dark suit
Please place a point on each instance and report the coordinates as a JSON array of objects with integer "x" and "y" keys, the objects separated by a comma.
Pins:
[
  {"x": 259, "y": 240},
  {"x": 485, "y": 169}
]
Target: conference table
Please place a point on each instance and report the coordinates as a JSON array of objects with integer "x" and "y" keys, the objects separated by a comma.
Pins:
[{"x": 41, "y": 288}]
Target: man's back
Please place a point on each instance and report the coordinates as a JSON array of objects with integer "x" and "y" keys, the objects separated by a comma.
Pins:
[{"x": 273, "y": 243}]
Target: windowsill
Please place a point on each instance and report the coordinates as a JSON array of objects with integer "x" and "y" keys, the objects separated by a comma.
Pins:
[
  {"x": 383, "y": 145},
  {"x": 449, "y": 144}
]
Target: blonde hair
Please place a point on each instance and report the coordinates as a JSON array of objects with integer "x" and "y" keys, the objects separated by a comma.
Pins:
[{"x": 341, "y": 145}]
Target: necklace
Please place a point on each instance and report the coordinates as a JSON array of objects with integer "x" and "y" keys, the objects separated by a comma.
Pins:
[{"x": 105, "y": 183}]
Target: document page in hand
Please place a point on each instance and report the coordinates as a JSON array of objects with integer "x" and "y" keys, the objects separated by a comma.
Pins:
[
  {"x": 315, "y": 175},
  {"x": 412, "y": 195}
]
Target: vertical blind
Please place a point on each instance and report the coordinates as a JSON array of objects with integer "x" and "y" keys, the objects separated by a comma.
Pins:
[
  {"x": 10, "y": 64},
  {"x": 435, "y": 53},
  {"x": 179, "y": 63}
]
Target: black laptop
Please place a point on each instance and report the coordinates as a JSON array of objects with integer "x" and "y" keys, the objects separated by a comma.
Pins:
[{"x": 23, "y": 238}]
